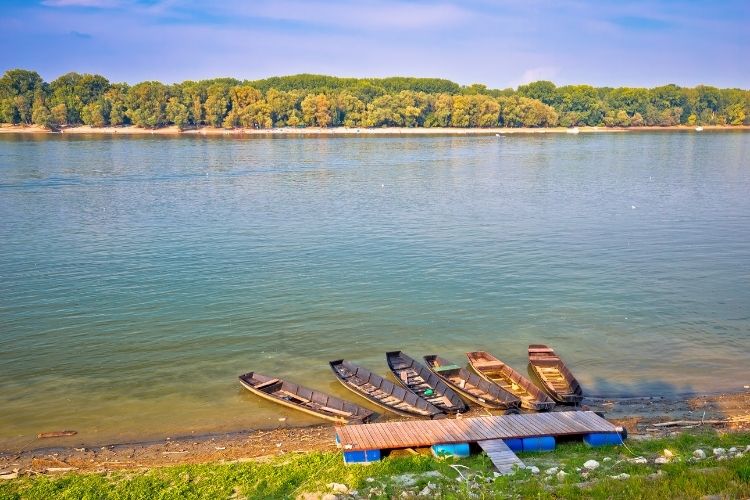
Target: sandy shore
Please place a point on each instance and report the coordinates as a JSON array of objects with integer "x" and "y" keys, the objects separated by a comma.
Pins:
[
  {"x": 344, "y": 131},
  {"x": 726, "y": 412}
]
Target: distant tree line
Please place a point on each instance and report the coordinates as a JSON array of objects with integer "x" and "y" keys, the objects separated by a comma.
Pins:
[{"x": 326, "y": 101}]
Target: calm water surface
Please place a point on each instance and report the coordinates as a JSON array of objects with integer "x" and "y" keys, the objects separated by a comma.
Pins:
[{"x": 139, "y": 276}]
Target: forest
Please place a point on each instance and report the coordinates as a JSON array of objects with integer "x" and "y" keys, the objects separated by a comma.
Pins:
[{"x": 326, "y": 101}]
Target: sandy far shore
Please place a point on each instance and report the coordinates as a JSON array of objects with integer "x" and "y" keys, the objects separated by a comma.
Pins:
[
  {"x": 725, "y": 412},
  {"x": 345, "y": 131}
]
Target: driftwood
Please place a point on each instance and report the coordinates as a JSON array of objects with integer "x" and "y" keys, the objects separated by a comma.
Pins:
[
  {"x": 676, "y": 423},
  {"x": 56, "y": 434}
]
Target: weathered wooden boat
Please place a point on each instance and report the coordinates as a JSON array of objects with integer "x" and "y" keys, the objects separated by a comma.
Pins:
[
  {"x": 554, "y": 375},
  {"x": 307, "y": 400},
  {"x": 382, "y": 392},
  {"x": 495, "y": 371},
  {"x": 471, "y": 386},
  {"x": 424, "y": 383}
]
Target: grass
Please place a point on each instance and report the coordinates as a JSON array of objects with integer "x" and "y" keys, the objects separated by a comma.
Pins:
[{"x": 291, "y": 475}]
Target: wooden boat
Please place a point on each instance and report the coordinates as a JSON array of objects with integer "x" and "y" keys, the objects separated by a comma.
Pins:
[
  {"x": 383, "y": 392},
  {"x": 307, "y": 400},
  {"x": 494, "y": 370},
  {"x": 555, "y": 377},
  {"x": 424, "y": 383},
  {"x": 471, "y": 386}
]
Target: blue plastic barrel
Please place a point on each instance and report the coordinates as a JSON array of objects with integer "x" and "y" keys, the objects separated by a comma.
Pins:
[
  {"x": 361, "y": 456},
  {"x": 602, "y": 439},
  {"x": 460, "y": 450},
  {"x": 542, "y": 443},
  {"x": 515, "y": 444}
]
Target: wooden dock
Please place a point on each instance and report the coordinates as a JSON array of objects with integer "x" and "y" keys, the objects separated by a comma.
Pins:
[
  {"x": 502, "y": 457},
  {"x": 422, "y": 433}
]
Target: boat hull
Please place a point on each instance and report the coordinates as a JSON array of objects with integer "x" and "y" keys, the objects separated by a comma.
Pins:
[
  {"x": 497, "y": 372},
  {"x": 382, "y": 392},
  {"x": 470, "y": 386},
  {"x": 309, "y": 401},
  {"x": 553, "y": 375}
]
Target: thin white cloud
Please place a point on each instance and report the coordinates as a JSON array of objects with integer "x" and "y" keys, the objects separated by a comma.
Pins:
[
  {"x": 371, "y": 15},
  {"x": 536, "y": 74}
]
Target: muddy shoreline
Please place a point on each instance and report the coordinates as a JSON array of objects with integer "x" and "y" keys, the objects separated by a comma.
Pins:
[{"x": 724, "y": 411}]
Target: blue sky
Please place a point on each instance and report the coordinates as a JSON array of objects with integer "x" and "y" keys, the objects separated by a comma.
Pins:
[{"x": 500, "y": 43}]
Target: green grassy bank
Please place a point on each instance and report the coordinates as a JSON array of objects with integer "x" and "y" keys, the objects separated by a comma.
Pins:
[{"x": 618, "y": 475}]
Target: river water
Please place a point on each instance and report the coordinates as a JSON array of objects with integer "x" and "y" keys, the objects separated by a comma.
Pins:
[{"x": 139, "y": 276}]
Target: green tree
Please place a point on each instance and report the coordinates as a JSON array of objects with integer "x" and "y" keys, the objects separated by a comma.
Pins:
[
  {"x": 77, "y": 91},
  {"x": 442, "y": 110},
  {"x": 18, "y": 88},
  {"x": 580, "y": 105},
  {"x": 59, "y": 114},
  {"x": 96, "y": 113},
  {"x": 177, "y": 112},
  {"x": 348, "y": 110},
  {"x": 243, "y": 112},
  {"x": 542, "y": 90},
  {"x": 147, "y": 104},
  {"x": 217, "y": 104},
  {"x": 40, "y": 113},
  {"x": 316, "y": 110},
  {"x": 116, "y": 98}
]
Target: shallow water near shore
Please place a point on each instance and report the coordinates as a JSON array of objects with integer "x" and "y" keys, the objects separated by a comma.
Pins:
[{"x": 140, "y": 275}]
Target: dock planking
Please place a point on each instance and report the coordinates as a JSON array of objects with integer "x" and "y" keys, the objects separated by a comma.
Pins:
[
  {"x": 422, "y": 433},
  {"x": 501, "y": 456}
]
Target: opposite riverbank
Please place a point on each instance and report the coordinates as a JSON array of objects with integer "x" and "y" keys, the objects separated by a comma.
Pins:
[{"x": 344, "y": 131}]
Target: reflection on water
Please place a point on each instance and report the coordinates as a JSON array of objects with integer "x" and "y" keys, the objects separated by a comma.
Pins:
[{"x": 139, "y": 276}]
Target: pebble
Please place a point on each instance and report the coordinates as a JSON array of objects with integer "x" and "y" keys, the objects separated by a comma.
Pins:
[
  {"x": 606, "y": 459},
  {"x": 533, "y": 469},
  {"x": 338, "y": 487},
  {"x": 638, "y": 460},
  {"x": 370, "y": 479},
  {"x": 329, "y": 496},
  {"x": 561, "y": 475},
  {"x": 739, "y": 455},
  {"x": 732, "y": 450},
  {"x": 699, "y": 454},
  {"x": 551, "y": 470},
  {"x": 426, "y": 491},
  {"x": 591, "y": 464},
  {"x": 621, "y": 476},
  {"x": 747, "y": 449},
  {"x": 661, "y": 461},
  {"x": 721, "y": 457},
  {"x": 719, "y": 452},
  {"x": 668, "y": 454},
  {"x": 10, "y": 475}
]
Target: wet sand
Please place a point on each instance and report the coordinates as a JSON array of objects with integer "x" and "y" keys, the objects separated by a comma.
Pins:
[{"x": 637, "y": 415}]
